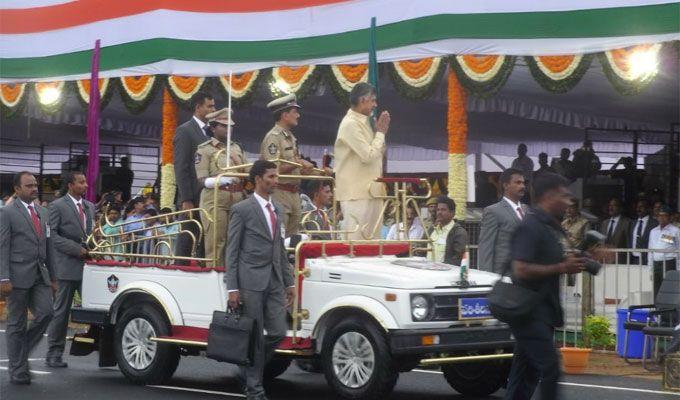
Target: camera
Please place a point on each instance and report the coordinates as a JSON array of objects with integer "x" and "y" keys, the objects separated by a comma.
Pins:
[{"x": 592, "y": 238}]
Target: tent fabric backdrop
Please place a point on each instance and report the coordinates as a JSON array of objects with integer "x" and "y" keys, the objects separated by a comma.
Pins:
[{"x": 47, "y": 40}]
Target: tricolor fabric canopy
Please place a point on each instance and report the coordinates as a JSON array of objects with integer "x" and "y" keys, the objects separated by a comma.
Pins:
[{"x": 53, "y": 39}]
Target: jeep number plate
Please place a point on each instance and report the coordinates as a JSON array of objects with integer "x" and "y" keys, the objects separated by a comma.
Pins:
[{"x": 473, "y": 308}]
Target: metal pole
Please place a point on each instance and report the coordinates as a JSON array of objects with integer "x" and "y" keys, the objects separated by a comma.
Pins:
[
  {"x": 40, "y": 171},
  {"x": 228, "y": 128}
]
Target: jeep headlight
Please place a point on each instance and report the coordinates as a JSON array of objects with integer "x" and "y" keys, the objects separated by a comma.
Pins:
[{"x": 420, "y": 308}]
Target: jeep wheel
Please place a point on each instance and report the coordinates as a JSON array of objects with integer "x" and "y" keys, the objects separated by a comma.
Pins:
[
  {"x": 140, "y": 359},
  {"x": 275, "y": 367},
  {"x": 477, "y": 379},
  {"x": 357, "y": 360}
]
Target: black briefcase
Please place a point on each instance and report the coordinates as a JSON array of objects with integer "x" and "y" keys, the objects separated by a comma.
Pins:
[{"x": 231, "y": 338}]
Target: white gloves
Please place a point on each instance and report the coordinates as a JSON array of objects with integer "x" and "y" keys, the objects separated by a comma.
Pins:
[{"x": 224, "y": 181}]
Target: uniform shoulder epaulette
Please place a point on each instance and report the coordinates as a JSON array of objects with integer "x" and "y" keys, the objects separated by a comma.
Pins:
[{"x": 207, "y": 142}]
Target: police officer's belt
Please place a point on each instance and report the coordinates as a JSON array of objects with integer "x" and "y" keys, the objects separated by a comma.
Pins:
[
  {"x": 288, "y": 187},
  {"x": 232, "y": 188}
]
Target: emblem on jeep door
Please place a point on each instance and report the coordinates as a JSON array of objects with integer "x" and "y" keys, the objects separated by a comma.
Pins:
[{"x": 112, "y": 282}]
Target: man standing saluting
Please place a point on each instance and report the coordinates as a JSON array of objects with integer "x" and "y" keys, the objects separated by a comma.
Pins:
[
  {"x": 24, "y": 274},
  {"x": 358, "y": 162},
  {"x": 258, "y": 273}
]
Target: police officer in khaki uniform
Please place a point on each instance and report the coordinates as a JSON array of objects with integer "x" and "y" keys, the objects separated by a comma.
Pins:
[
  {"x": 281, "y": 143},
  {"x": 210, "y": 157}
]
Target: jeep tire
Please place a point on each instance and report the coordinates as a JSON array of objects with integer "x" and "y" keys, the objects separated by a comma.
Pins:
[
  {"x": 477, "y": 379},
  {"x": 357, "y": 361},
  {"x": 141, "y": 360}
]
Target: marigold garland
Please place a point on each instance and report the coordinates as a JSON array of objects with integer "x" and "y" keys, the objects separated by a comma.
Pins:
[
  {"x": 482, "y": 75},
  {"x": 137, "y": 92},
  {"x": 559, "y": 74},
  {"x": 169, "y": 124},
  {"x": 619, "y": 69},
  {"x": 82, "y": 89},
  {"x": 12, "y": 97},
  {"x": 457, "y": 129},
  {"x": 243, "y": 86},
  {"x": 342, "y": 78},
  {"x": 298, "y": 80},
  {"x": 183, "y": 88},
  {"x": 417, "y": 79}
]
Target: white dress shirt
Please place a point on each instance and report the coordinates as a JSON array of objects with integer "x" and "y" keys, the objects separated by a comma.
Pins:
[
  {"x": 613, "y": 221},
  {"x": 263, "y": 205},
  {"x": 415, "y": 231},
  {"x": 667, "y": 238},
  {"x": 641, "y": 221},
  {"x": 515, "y": 206},
  {"x": 201, "y": 125},
  {"x": 79, "y": 202}
]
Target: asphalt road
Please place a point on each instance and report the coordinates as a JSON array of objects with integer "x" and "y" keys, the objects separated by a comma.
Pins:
[{"x": 200, "y": 378}]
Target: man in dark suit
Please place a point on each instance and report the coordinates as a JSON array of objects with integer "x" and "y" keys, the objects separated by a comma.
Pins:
[
  {"x": 499, "y": 222},
  {"x": 640, "y": 232},
  {"x": 258, "y": 273},
  {"x": 71, "y": 221},
  {"x": 24, "y": 274},
  {"x": 617, "y": 229},
  {"x": 187, "y": 138}
]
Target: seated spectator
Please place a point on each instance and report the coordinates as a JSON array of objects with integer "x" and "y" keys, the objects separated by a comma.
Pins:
[
  {"x": 133, "y": 213},
  {"x": 448, "y": 238},
  {"x": 320, "y": 217},
  {"x": 111, "y": 231},
  {"x": 413, "y": 226},
  {"x": 169, "y": 230},
  {"x": 150, "y": 233},
  {"x": 152, "y": 201}
]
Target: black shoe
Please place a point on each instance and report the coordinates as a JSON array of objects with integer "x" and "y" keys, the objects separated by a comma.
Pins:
[
  {"x": 20, "y": 380},
  {"x": 55, "y": 362}
]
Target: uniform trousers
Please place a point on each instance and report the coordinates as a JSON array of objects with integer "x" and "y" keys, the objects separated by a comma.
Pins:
[
  {"x": 21, "y": 337},
  {"x": 366, "y": 213}
]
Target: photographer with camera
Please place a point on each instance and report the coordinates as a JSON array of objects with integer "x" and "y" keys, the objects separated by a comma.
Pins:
[{"x": 539, "y": 256}]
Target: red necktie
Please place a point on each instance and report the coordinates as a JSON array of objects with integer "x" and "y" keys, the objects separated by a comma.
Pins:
[
  {"x": 272, "y": 219},
  {"x": 36, "y": 221},
  {"x": 82, "y": 215},
  {"x": 521, "y": 213}
]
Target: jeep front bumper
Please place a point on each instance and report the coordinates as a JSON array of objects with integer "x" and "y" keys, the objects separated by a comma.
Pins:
[{"x": 450, "y": 340}]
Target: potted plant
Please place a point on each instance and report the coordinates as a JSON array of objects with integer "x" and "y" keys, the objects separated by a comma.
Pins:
[{"x": 596, "y": 334}]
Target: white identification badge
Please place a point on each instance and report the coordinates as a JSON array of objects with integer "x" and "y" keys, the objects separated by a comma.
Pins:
[{"x": 47, "y": 230}]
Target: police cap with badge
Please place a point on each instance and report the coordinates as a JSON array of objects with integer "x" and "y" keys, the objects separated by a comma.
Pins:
[
  {"x": 222, "y": 116},
  {"x": 283, "y": 103}
]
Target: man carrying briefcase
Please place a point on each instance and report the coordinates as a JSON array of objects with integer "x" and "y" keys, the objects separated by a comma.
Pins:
[{"x": 258, "y": 273}]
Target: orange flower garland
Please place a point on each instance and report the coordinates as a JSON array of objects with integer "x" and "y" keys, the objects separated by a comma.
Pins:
[
  {"x": 241, "y": 84},
  {"x": 457, "y": 128},
  {"x": 353, "y": 72},
  {"x": 241, "y": 81},
  {"x": 168, "y": 127},
  {"x": 456, "y": 123},
  {"x": 556, "y": 64},
  {"x": 184, "y": 87},
  {"x": 416, "y": 69},
  {"x": 137, "y": 86},
  {"x": 292, "y": 75},
  {"x": 12, "y": 93},
  {"x": 480, "y": 64}
]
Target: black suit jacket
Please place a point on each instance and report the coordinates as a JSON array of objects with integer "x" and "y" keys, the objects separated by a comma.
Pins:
[
  {"x": 187, "y": 138},
  {"x": 643, "y": 241}
]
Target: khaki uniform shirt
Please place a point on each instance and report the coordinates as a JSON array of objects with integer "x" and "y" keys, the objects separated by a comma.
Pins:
[
  {"x": 358, "y": 159},
  {"x": 281, "y": 143},
  {"x": 576, "y": 230},
  {"x": 208, "y": 164}
]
